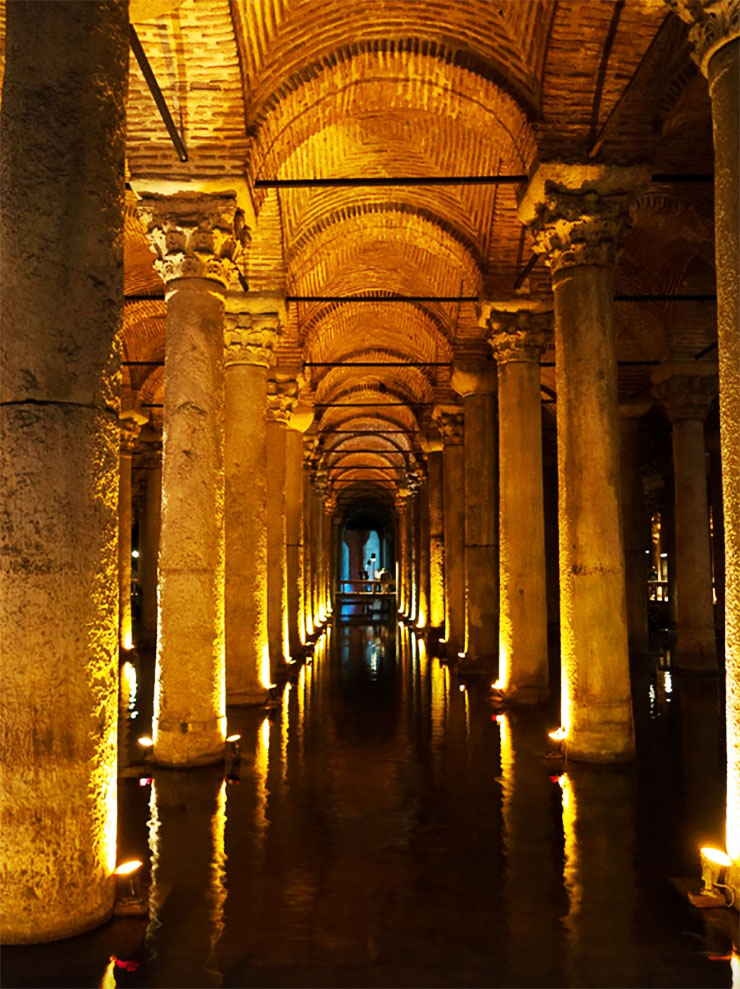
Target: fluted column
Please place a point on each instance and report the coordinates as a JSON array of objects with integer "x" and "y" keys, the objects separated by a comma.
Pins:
[
  {"x": 301, "y": 418},
  {"x": 249, "y": 351},
  {"x": 149, "y": 550},
  {"x": 281, "y": 398},
  {"x": 193, "y": 237},
  {"x": 686, "y": 394},
  {"x": 432, "y": 445},
  {"x": 451, "y": 426},
  {"x": 476, "y": 383},
  {"x": 578, "y": 215},
  {"x": 518, "y": 340},
  {"x": 130, "y": 424},
  {"x": 716, "y": 39},
  {"x": 635, "y": 525},
  {"x": 61, "y": 304}
]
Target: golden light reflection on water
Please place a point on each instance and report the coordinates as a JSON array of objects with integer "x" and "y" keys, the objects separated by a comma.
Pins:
[
  {"x": 285, "y": 729},
  {"x": 439, "y": 684},
  {"x": 261, "y": 769},
  {"x": 129, "y": 685},
  {"x": 219, "y": 890},
  {"x": 153, "y": 833},
  {"x": 571, "y": 864}
]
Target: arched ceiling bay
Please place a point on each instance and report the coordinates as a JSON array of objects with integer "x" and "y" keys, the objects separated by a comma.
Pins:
[{"x": 288, "y": 90}]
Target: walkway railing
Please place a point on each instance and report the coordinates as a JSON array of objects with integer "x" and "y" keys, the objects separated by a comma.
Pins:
[{"x": 363, "y": 589}]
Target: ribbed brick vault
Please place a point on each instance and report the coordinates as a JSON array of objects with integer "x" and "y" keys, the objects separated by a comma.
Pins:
[{"x": 297, "y": 89}]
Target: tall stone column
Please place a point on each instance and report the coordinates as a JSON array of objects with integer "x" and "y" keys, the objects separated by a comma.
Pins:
[
  {"x": 130, "y": 424},
  {"x": 518, "y": 340},
  {"x": 310, "y": 621},
  {"x": 281, "y": 398},
  {"x": 194, "y": 241},
  {"x": 635, "y": 525},
  {"x": 451, "y": 426},
  {"x": 249, "y": 351},
  {"x": 476, "y": 383},
  {"x": 432, "y": 445},
  {"x": 61, "y": 305},
  {"x": 686, "y": 394},
  {"x": 301, "y": 418},
  {"x": 423, "y": 543},
  {"x": 149, "y": 549},
  {"x": 716, "y": 40},
  {"x": 578, "y": 214},
  {"x": 402, "y": 541}
]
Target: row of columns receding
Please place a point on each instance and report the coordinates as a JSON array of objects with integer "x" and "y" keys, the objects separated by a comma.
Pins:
[{"x": 61, "y": 464}]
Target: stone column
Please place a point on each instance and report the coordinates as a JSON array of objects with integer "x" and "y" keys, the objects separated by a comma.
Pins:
[
  {"x": 476, "y": 383},
  {"x": 281, "y": 398},
  {"x": 432, "y": 445},
  {"x": 718, "y": 527},
  {"x": 578, "y": 214},
  {"x": 635, "y": 525},
  {"x": 423, "y": 541},
  {"x": 249, "y": 352},
  {"x": 301, "y": 418},
  {"x": 686, "y": 391},
  {"x": 148, "y": 563},
  {"x": 194, "y": 241},
  {"x": 402, "y": 541},
  {"x": 518, "y": 341},
  {"x": 130, "y": 424},
  {"x": 715, "y": 35},
  {"x": 310, "y": 622},
  {"x": 451, "y": 427},
  {"x": 61, "y": 304}
]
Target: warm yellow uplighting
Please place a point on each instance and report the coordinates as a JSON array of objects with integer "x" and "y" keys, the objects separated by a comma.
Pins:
[
  {"x": 265, "y": 676},
  {"x": 128, "y": 868},
  {"x": 146, "y": 742},
  {"x": 128, "y": 641},
  {"x": 497, "y": 685},
  {"x": 735, "y": 970},
  {"x": 462, "y": 687},
  {"x": 109, "y": 976},
  {"x": 233, "y": 738},
  {"x": 461, "y": 655},
  {"x": 716, "y": 856},
  {"x": 558, "y": 735},
  {"x": 129, "y": 686}
]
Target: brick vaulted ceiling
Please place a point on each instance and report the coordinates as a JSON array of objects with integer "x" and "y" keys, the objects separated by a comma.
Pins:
[{"x": 296, "y": 89}]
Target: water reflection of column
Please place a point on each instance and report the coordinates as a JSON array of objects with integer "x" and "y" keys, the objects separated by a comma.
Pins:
[
  {"x": 529, "y": 872},
  {"x": 439, "y": 675},
  {"x": 261, "y": 769},
  {"x": 188, "y": 892},
  {"x": 599, "y": 867}
]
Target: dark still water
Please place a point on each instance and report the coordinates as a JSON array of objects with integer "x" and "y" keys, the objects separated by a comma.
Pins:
[{"x": 387, "y": 828}]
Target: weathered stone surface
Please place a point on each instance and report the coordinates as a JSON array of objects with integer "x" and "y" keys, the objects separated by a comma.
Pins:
[{"x": 61, "y": 310}]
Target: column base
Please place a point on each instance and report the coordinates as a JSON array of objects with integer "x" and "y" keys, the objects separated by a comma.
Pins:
[
  {"x": 514, "y": 696},
  {"x": 43, "y": 930},
  {"x": 247, "y": 698},
  {"x": 186, "y": 743},
  {"x": 611, "y": 744}
]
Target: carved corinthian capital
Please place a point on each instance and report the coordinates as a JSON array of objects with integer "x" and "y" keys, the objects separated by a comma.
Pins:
[
  {"x": 250, "y": 338},
  {"x": 281, "y": 400},
  {"x": 713, "y": 24},
  {"x": 129, "y": 425},
  {"x": 194, "y": 235},
  {"x": 517, "y": 336},
  {"x": 685, "y": 390},
  {"x": 578, "y": 214}
]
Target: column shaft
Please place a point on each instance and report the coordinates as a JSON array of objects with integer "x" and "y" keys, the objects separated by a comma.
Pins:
[
  {"x": 149, "y": 549},
  {"x": 61, "y": 271},
  {"x": 481, "y": 532},
  {"x": 724, "y": 90},
  {"x": 454, "y": 522},
  {"x": 436, "y": 542},
  {"x": 294, "y": 539},
  {"x": 125, "y": 628},
  {"x": 597, "y": 708},
  {"x": 523, "y": 668},
  {"x": 277, "y": 621},
  {"x": 696, "y": 648},
  {"x": 190, "y": 689},
  {"x": 247, "y": 650},
  {"x": 423, "y": 538},
  {"x": 636, "y": 534}
]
